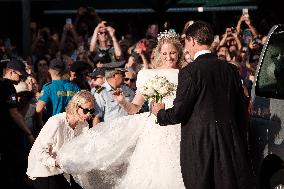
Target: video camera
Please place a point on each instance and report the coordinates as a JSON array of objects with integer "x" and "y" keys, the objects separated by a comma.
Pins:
[{"x": 101, "y": 56}]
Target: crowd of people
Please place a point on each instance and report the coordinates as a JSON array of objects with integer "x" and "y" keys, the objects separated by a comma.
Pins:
[{"x": 86, "y": 77}]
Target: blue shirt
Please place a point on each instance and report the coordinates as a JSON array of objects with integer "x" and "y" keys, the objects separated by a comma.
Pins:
[
  {"x": 107, "y": 108},
  {"x": 57, "y": 94}
]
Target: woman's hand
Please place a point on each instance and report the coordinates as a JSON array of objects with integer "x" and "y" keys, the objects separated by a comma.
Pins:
[
  {"x": 100, "y": 25},
  {"x": 118, "y": 95},
  {"x": 111, "y": 31}
]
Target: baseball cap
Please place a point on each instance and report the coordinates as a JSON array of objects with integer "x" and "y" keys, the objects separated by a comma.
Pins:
[
  {"x": 112, "y": 71},
  {"x": 97, "y": 72},
  {"x": 17, "y": 66},
  {"x": 57, "y": 64},
  {"x": 80, "y": 66}
]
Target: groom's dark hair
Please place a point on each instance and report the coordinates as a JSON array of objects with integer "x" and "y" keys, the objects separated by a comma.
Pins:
[{"x": 201, "y": 32}]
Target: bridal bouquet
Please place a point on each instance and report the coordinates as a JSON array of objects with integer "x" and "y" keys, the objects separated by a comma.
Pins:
[{"x": 158, "y": 88}]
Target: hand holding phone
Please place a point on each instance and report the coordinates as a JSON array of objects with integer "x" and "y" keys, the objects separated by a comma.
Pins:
[
  {"x": 246, "y": 14},
  {"x": 216, "y": 38},
  {"x": 68, "y": 21}
]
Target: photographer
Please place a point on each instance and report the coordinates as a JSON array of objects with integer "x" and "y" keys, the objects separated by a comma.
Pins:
[
  {"x": 246, "y": 29},
  {"x": 69, "y": 41},
  {"x": 104, "y": 45},
  {"x": 44, "y": 44}
]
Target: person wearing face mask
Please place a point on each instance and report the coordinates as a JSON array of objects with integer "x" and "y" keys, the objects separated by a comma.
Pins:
[{"x": 43, "y": 168}]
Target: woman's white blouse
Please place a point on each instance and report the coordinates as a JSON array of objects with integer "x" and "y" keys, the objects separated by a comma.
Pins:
[{"x": 42, "y": 156}]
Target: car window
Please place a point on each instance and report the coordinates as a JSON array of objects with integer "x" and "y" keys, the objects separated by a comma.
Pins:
[{"x": 270, "y": 80}]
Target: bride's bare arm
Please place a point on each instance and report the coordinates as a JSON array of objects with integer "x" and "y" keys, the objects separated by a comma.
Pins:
[{"x": 130, "y": 107}]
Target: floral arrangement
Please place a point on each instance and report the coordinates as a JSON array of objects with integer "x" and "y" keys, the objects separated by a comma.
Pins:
[{"x": 158, "y": 88}]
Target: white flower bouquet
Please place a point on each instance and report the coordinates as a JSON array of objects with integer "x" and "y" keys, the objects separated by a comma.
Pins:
[{"x": 158, "y": 88}]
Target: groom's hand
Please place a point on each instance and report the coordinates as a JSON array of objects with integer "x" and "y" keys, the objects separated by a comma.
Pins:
[{"x": 156, "y": 107}]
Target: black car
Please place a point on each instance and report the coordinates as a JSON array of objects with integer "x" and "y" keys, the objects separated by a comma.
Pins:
[{"x": 267, "y": 113}]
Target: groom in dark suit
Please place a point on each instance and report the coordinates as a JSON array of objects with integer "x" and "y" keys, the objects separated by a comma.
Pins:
[{"x": 210, "y": 106}]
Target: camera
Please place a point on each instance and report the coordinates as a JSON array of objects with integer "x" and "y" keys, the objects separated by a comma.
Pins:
[
  {"x": 102, "y": 56},
  {"x": 233, "y": 30},
  {"x": 135, "y": 55}
]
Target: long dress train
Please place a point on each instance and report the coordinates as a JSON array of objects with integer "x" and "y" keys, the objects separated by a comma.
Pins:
[{"x": 129, "y": 152}]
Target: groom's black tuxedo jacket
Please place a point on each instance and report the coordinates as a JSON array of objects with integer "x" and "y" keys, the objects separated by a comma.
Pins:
[{"x": 210, "y": 106}]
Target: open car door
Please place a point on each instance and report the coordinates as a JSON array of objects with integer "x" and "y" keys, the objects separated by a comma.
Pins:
[{"x": 267, "y": 113}]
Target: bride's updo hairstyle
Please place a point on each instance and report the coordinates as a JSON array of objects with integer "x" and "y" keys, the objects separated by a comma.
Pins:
[
  {"x": 77, "y": 100},
  {"x": 168, "y": 37}
]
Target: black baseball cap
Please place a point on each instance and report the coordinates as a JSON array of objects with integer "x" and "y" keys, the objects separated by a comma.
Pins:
[
  {"x": 97, "y": 72},
  {"x": 17, "y": 66},
  {"x": 80, "y": 66},
  {"x": 57, "y": 64}
]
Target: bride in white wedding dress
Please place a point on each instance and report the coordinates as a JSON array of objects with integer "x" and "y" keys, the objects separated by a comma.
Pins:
[{"x": 132, "y": 151}]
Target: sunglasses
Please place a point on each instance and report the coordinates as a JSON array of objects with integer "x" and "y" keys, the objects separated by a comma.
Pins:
[
  {"x": 131, "y": 80},
  {"x": 100, "y": 33},
  {"x": 86, "y": 110}
]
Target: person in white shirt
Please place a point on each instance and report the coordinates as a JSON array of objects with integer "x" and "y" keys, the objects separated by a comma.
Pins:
[{"x": 43, "y": 169}]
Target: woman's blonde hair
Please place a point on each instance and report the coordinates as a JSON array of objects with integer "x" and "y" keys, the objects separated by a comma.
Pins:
[
  {"x": 77, "y": 100},
  {"x": 171, "y": 38}
]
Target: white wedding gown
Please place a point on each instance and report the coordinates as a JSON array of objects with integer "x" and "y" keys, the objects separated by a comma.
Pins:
[{"x": 129, "y": 152}]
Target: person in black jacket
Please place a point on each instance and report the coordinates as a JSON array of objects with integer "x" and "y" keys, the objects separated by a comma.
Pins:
[
  {"x": 14, "y": 129},
  {"x": 210, "y": 106}
]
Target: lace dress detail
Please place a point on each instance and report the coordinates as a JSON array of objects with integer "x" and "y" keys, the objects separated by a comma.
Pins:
[{"x": 129, "y": 152}]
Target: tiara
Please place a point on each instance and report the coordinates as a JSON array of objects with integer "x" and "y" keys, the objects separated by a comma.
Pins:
[{"x": 171, "y": 34}]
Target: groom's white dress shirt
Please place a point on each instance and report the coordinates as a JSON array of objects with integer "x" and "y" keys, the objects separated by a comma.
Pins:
[{"x": 201, "y": 53}]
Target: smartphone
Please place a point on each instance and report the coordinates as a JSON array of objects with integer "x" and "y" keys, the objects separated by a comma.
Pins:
[
  {"x": 216, "y": 38},
  {"x": 246, "y": 13},
  {"x": 68, "y": 21}
]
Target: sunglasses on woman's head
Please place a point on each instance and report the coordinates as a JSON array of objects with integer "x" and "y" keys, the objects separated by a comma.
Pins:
[{"x": 86, "y": 110}]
